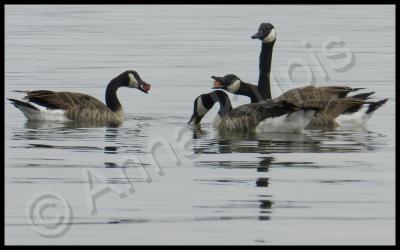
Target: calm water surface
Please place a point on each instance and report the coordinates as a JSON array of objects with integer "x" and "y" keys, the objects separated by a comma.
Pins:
[{"x": 195, "y": 187}]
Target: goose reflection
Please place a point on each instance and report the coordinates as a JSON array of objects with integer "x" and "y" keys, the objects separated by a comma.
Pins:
[
  {"x": 262, "y": 165},
  {"x": 55, "y": 131},
  {"x": 110, "y": 136},
  {"x": 312, "y": 141},
  {"x": 43, "y": 124},
  {"x": 126, "y": 141},
  {"x": 343, "y": 140},
  {"x": 82, "y": 136},
  {"x": 251, "y": 142},
  {"x": 266, "y": 207}
]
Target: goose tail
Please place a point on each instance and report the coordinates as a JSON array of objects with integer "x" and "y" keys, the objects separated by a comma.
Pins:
[
  {"x": 358, "y": 115},
  {"x": 363, "y": 96},
  {"x": 375, "y": 105},
  {"x": 27, "y": 109},
  {"x": 22, "y": 105},
  {"x": 356, "y": 89},
  {"x": 21, "y": 91}
]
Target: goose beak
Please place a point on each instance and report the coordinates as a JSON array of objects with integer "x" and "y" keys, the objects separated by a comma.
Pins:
[
  {"x": 145, "y": 87},
  {"x": 258, "y": 35},
  {"x": 195, "y": 120},
  {"x": 217, "y": 83}
]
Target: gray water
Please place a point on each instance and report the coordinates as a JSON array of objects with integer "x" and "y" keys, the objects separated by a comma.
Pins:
[{"x": 189, "y": 186}]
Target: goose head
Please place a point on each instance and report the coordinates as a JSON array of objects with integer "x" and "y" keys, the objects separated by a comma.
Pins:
[
  {"x": 204, "y": 102},
  {"x": 230, "y": 83},
  {"x": 266, "y": 33},
  {"x": 131, "y": 79}
]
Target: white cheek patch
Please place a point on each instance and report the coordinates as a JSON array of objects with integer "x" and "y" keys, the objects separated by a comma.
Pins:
[
  {"x": 234, "y": 87},
  {"x": 132, "y": 81},
  {"x": 201, "y": 110},
  {"x": 271, "y": 36}
]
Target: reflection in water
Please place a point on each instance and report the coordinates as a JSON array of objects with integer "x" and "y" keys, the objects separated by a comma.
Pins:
[
  {"x": 265, "y": 204},
  {"x": 124, "y": 139},
  {"x": 131, "y": 139},
  {"x": 51, "y": 131},
  {"x": 264, "y": 164},
  {"x": 262, "y": 182},
  {"x": 110, "y": 150},
  {"x": 348, "y": 140},
  {"x": 67, "y": 124},
  {"x": 209, "y": 141},
  {"x": 75, "y": 148},
  {"x": 251, "y": 142},
  {"x": 312, "y": 141},
  {"x": 261, "y": 166}
]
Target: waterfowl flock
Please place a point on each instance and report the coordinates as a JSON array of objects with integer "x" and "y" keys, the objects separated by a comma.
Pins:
[{"x": 308, "y": 107}]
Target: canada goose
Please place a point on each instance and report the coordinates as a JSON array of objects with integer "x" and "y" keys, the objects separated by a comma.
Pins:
[
  {"x": 268, "y": 116},
  {"x": 70, "y": 106},
  {"x": 336, "y": 108}
]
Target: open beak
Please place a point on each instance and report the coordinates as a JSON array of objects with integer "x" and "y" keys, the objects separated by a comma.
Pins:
[
  {"x": 257, "y": 35},
  {"x": 217, "y": 82},
  {"x": 145, "y": 87}
]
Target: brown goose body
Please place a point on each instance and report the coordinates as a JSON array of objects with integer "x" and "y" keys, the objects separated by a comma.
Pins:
[
  {"x": 248, "y": 116},
  {"x": 76, "y": 106},
  {"x": 328, "y": 101},
  {"x": 270, "y": 115},
  {"x": 51, "y": 105},
  {"x": 331, "y": 101}
]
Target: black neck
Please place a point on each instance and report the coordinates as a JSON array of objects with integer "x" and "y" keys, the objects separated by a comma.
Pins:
[
  {"x": 252, "y": 91},
  {"x": 220, "y": 96},
  {"x": 225, "y": 105},
  {"x": 265, "y": 69},
  {"x": 111, "y": 95},
  {"x": 208, "y": 100}
]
